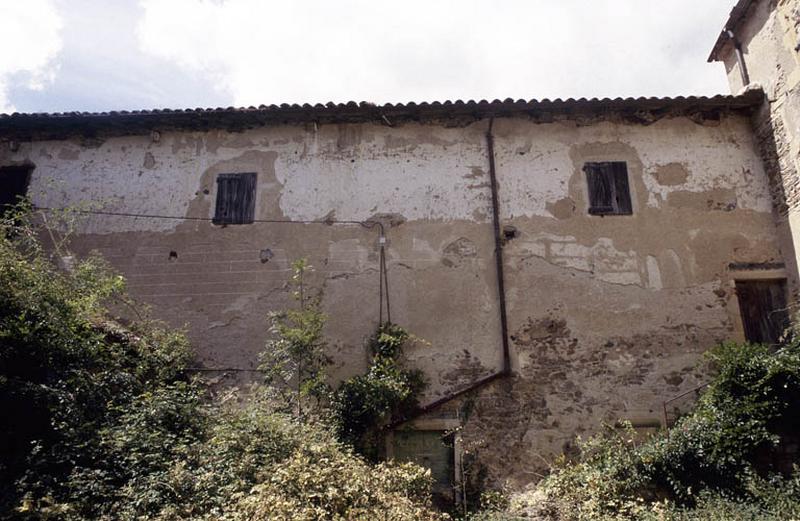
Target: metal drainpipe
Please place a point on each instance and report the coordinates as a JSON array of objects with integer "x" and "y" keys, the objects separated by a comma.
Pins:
[
  {"x": 737, "y": 45},
  {"x": 501, "y": 290},
  {"x": 498, "y": 249}
]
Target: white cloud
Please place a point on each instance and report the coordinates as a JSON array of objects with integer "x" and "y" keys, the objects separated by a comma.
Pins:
[
  {"x": 30, "y": 40},
  {"x": 319, "y": 50}
]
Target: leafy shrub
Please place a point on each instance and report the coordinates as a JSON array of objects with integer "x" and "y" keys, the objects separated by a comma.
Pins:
[
  {"x": 294, "y": 361},
  {"x": 344, "y": 488},
  {"x": 101, "y": 422},
  {"x": 717, "y": 459},
  {"x": 66, "y": 372},
  {"x": 365, "y": 403}
]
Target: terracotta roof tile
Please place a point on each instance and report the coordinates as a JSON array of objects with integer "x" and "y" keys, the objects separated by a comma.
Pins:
[{"x": 43, "y": 125}]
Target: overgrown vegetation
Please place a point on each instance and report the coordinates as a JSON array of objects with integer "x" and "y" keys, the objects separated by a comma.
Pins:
[
  {"x": 364, "y": 404},
  {"x": 728, "y": 459},
  {"x": 102, "y": 422},
  {"x": 295, "y": 367},
  {"x": 294, "y": 362}
]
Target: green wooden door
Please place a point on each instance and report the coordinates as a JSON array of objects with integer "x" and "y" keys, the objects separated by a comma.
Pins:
[{"x": 433, "y": 450}]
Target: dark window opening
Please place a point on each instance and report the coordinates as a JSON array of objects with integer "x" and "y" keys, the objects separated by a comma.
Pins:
[
  {"x": 609, "y": 192},
  {"x": 14, "y": 182},
  {"x": 236, "y": 198},
  {"x": 762, "y": 304}
]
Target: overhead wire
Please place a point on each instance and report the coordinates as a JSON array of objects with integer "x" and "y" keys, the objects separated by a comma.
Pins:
[{"x": 383, "y": 277}]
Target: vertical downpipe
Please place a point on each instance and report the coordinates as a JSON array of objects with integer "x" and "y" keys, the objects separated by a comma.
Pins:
[
  {"x": 737, "y": 47},
  {"x": 498, "y": 249}
]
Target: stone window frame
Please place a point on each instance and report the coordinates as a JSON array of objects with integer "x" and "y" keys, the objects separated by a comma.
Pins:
[{"x": 441, "y": 425}]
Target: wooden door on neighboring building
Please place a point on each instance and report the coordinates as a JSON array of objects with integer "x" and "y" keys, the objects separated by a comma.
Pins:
[
  {"x": 434, "y": 450},
  {"x": 762, "y": 304}
]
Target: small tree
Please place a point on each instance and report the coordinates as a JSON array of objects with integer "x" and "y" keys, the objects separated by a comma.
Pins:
[{"x": 294, "y": 360}]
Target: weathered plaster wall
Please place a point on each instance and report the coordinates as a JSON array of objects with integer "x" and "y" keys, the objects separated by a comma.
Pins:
[
  {"x": 769, "y": 39},
  {"x": 607, "y": 314}
]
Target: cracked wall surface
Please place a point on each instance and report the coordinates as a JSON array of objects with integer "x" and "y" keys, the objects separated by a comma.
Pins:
[{"x": 607, "y": 315}]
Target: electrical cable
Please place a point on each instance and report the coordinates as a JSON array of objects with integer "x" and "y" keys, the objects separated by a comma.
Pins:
[
  {"x": 383, "y": 277},
  {"x": 365, "y": 224}
]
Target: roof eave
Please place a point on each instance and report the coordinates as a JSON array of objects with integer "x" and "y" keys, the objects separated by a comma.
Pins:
[
  {"x": 56, "y": 126},
  {"x": 737, "y": 14}
]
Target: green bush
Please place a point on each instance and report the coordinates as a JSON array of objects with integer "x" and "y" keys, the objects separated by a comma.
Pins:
[
  {"x": 67, "y": 374},
  {"x": 293, "y": 362},
  {"x": 101, "y": 422},
  {"x": 364, "y": 404},
  {"x": 716, "y": 460}
]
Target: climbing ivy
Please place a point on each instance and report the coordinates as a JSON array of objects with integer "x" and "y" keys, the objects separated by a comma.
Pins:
[
  {"x": 295, "y": 368},
  {"x": 364, "y": 404}
]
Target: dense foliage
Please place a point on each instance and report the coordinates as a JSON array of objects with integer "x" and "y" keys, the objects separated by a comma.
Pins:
[
  {"x": 725, "y": 460},
  {"x": 101, "y": 421},
  {"x": 67, "y": 376},
  {"x": 295, "y": 367},
  {"x": 364, "y": 404}
]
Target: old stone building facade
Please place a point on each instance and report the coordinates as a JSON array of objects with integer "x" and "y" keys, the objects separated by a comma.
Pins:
[{"x": 566, "y": 261}]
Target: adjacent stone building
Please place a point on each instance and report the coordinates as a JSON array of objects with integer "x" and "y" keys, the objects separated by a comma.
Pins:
[
  {"x": 759, "y": 47},
  {"x": 566, "y": 261}
]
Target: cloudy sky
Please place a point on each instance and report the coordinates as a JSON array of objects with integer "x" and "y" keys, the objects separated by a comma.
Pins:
[{"x": 63, "y": 55}]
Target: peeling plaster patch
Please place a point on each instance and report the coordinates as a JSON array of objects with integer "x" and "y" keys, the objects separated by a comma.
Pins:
[
  {"x": 621, "y": 361},
  {"x": 68, "y": 154},
  {"x": 479, "y": 215},
  {"x": 423, "y": 252},
  {"x": 419, "y": 256},
  {"x": 465, "y": 368},
  {"x": 475, "y": 173},
  {"x": 562, "y": 209},
  {"x": 389, "y": 220},
  {"x": 653, "y": 273},
  {"x": 107, "y": 173},
  {"x": 532, "y": 249},
  {"x": 714, "y": 157},
  {"x": 720, "y": 199},
  {"x": 541, "y": 331},
  {"x": 674, "y": 379},
  {"x": 671, "y": 269},
  {"x": 457, "y": 252},
  {"x": 671, "y": 174},
  {"x": 149, "y": 161},
  {"x": 602, "y": 259}
]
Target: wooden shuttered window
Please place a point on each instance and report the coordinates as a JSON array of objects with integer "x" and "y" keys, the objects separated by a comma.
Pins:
[
  {"x": 609, "y": 191},
  {"x": 236, "y": 198},
  {"x": 762, "y": 304}
]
